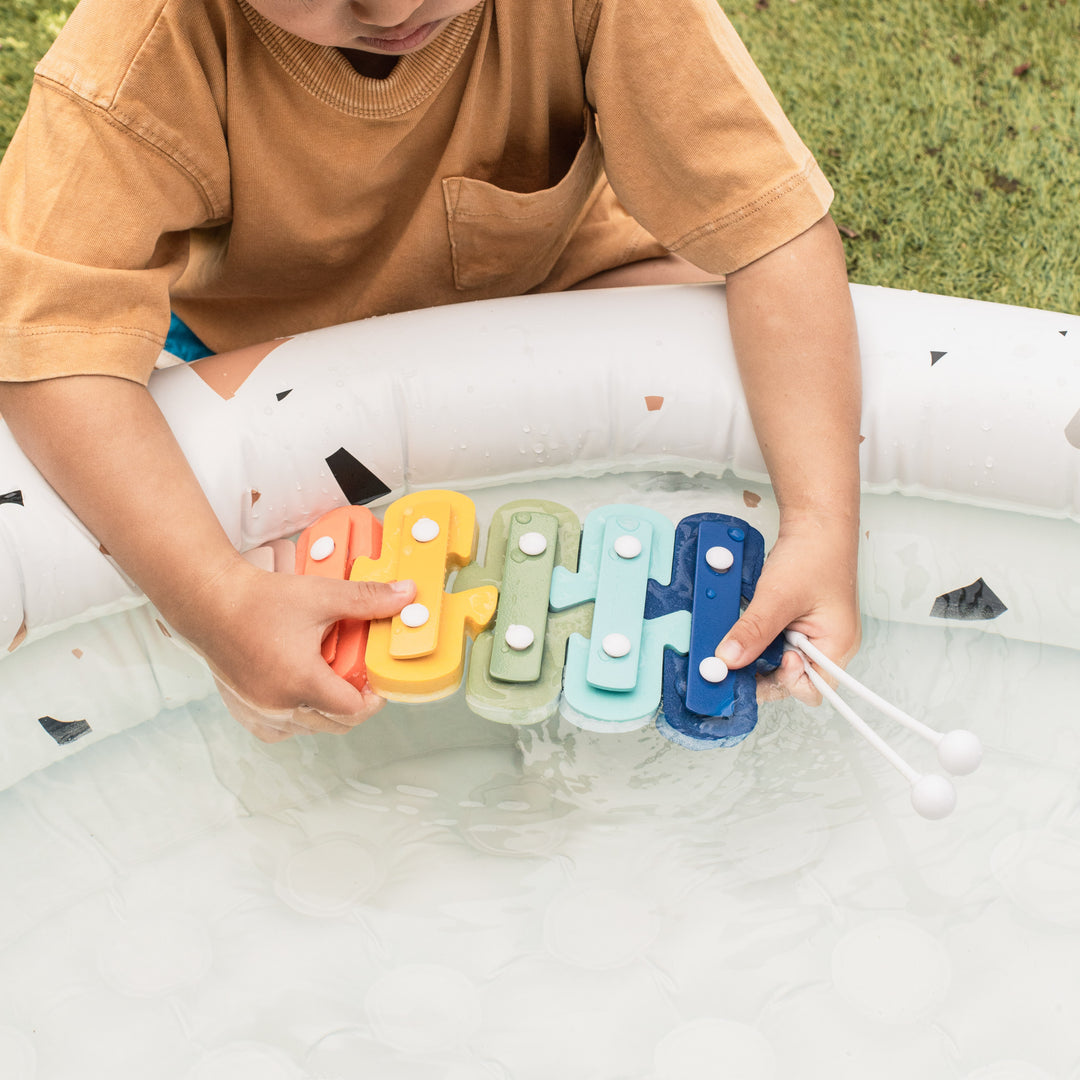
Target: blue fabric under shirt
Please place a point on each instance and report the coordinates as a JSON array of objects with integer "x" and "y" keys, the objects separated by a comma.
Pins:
[{"x": 183, "y": 343}]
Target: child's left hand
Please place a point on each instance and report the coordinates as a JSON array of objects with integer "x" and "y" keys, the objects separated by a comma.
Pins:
[{"x": 808, "y": 584}]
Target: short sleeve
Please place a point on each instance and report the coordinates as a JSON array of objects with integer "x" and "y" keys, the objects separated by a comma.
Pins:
[
  {"x": 94, "y": 226},
  {"x": 696, "y": 145}
]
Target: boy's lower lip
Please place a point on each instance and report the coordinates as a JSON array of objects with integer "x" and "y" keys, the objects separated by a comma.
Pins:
[{"x": 401, "y": 44}]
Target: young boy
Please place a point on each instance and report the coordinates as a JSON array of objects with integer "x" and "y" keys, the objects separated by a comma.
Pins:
[{"x": 264, "y": 167}]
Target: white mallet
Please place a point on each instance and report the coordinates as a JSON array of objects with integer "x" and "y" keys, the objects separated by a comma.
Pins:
[{"x": 959, "y": 752}]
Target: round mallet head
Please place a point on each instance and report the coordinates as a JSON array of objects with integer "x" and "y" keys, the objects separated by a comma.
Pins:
[
  {"x": 960, "y": 752},
  {"x": 933, "y": 797}
]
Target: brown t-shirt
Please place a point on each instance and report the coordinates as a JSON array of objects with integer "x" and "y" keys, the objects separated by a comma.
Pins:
[{"x": 190, "y": 154}]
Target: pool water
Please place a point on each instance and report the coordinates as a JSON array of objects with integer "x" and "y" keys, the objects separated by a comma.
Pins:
[{"x": 436, "y": 896}]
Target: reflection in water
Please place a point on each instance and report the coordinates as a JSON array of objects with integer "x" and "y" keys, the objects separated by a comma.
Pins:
[{"x": 439, "y": 896}]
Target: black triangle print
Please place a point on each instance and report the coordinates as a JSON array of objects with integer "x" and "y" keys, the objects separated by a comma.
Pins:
[
  {"x": 13, "y": 497},
  {"x": 359, "y": 484},
  {"x": 283, "y": 394},
  {"x": 935, "y": 357},
  {"x": 974, "y": 601},
  {"x": 64, "y": 732}
]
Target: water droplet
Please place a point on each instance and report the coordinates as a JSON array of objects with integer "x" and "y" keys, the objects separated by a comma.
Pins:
[{"x": 989, "y": 462}]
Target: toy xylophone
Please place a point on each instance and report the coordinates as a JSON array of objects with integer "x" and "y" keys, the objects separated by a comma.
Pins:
[{"x": 612, "y": 624}]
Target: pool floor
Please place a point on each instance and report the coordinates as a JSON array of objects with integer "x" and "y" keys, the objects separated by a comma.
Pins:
[{"x": 438, "y": 897}]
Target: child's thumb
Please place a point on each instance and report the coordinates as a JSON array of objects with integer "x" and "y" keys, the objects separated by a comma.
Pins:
[
  {"x": 752, "y": 634},
  {"x": 376, "y": 599}
]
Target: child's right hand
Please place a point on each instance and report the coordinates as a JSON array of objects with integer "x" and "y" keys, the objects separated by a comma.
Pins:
[
  {"x": 262, "y": 633},
  {"x": 119, "y": 467}
]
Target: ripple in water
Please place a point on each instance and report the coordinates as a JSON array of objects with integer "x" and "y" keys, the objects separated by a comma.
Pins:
[
  {"x": 891, "y": 970},
  {"x": 714, "y": 1049},
  {"x": 423, "y": 1008},
  {"x": 245, "y": 1061},
  {"x": 18, "y": 1059},
  {"x": 629, "y": 771},
  {"x": 155, "y": 954},
  {"x": 328, "y": 877},
  {"x": 1039, "y": 869},
  {"x": 599, "y": 928}
]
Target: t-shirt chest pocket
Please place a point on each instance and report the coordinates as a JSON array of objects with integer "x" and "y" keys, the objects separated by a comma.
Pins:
[{"x": 508, "y": 241}]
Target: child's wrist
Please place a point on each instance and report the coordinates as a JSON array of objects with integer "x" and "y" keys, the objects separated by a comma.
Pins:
[
  {"x": 209, "y": 599},
  {"x": 832, "y": 533},
  {"x": 840, "y": 519}
]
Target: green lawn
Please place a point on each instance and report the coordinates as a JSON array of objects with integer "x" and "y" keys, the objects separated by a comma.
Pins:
[
  {"x": 26, "y": 28},
  {"x": 948, "y": 128}
]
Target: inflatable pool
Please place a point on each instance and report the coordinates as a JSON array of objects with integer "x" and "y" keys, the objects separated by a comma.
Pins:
[{"x": 438, "y": 895}]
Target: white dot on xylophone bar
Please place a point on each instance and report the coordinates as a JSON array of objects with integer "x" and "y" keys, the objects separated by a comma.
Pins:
[
  {"x": 532, "y": 543},
  {"x": 322, "y": 548},
  {"x": 518, "y": 637},
  {"x": 627, "y": 547},
  {"x": 712, "y": 669},
  {"x": 424, "y": 530},
  {"x": 414, "y": 615},
  {"x": 615, "y": 645},
  {"x": 719, "y": 558}
]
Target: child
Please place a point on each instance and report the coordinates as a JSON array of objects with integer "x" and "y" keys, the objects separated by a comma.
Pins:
[{"x": 264, "y": 167}]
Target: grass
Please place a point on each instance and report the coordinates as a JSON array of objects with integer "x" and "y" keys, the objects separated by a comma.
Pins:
[
  {"x": 26, "y": 29},
  {"x": 949, "y": 130}
]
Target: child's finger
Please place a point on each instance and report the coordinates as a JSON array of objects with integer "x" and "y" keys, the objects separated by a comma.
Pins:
[
  {"x": 332, "y": 704},
  {"x": 788, "y": 680},
  {"x": 373, "y": 599},
  {"x": 334, "y": 707},
  {"x": 754, "y": 631},
  {"x": 267, "y": 725}
]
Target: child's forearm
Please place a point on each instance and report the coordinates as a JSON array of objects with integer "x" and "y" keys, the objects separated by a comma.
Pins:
[
  {"x": 793, "y": 328},
  {"x": 102, "y": 443},
  {"x": 105, "y": 447}
]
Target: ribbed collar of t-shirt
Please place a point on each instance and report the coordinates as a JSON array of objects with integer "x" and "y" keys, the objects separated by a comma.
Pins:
[{"x": 325, "y": 72}]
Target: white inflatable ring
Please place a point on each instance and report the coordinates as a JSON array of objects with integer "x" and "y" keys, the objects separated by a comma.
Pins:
[{"x": 971, "y": 410}]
